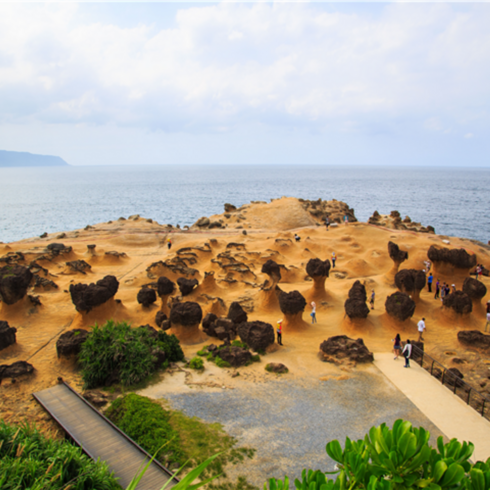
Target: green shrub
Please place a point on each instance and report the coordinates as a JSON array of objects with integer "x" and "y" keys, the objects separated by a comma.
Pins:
[
  {"x": 117, "y": 353},
  {"x": 239, "y": 343},
  {"x": 396, "y": 459},
  {"x": 203, "y": 352},
  {"x": 220, "y": 363},
  {"x": 256, "y": 358},
  {"x": 147, "y": 423},
  {"x": 196, "y": 363},
  {"x": 31, "y": 461}
]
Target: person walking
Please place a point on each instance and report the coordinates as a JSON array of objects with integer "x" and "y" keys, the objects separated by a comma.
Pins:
[
  {"x": 397, "y": 346},
  {"x": 488, "y": 316},
  {"x": 346, "y": 219},
  {"x": 421, "y": 327},
  {"x": 169, "y": 243},
  {"x": 279, "y": 332},
  {"x": 407, "y": 353},
  {"x": 313, "y": 312},
  {"x": 371, "y": 301},
  {"x": 334, "y": 258},
  {"x": 327, "y": 222},
  {"x": 438, "y": 284},
  {"x": 429, "y": 282}
]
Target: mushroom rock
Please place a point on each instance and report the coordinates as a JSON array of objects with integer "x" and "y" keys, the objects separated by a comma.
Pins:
[
  {"x": 459, "y": 302},
  {"x": 474, "y": 338},
  {"x": 410, "y": 281},
  {"x": 14, "y": 281},
  {"x": 146, "y": 296},
  {"x": 165, "y": 287},
  {"x": 15, "y": 370},
  {"x": 236, "y": 313},
  {"x": 273, "y": 270},
  {"x": 475, "y": 289},
  {"x": 184, "y": 320},
  {"x": 58, "y": 249},
  {"x": 292, "y": 305},
  {"x": 318, "y": 270},
  {"x": 257, "y": 335},
  {"x": 397, "y": 256},
  {"x": 7, "y": 335},
  {"x": 355, "y": 305},
  {"x": 269, "y": 290},
  {"x": 186, "y": 286},
  {"x": 343, "y": 347},
  {"x": 85, "y": 297},
  {"x": 160, "y": 317},
  {"x": 70, "y": 343},
  {"x": 400, "y": 306},
  {"x": 235, "y": 356},
  {"x": 451, "y": 261}
]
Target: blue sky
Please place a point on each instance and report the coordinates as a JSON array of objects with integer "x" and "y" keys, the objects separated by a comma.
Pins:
[{"x": 237, "y": 83}]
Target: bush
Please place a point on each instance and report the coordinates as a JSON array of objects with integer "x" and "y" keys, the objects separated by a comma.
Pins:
[
  {"x": 29, "y": 460},
  {"x": 239, "y": 343},
  {"x": 256, "y": 358},
  {"x": 196, "y": 363},
  {"x": 397, "y": 459},
  {"x": 220, "y": 363},
  {"x": 117, "y": 353}
]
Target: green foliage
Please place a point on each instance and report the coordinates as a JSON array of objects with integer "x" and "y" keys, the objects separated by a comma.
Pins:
[
  {"x": 220, "y": 363},
  {"x": 29, "y": 460},
  {"x": 147, "y": 423},
  {"x": 116, "y": 353},
  {"x": 396, "y": 459},
  {"x": 256, "y": 358},
  {"x": 196, "y": 363},
  {"x": 203, "y": 352},
  {"x": 239, "y": 343}
]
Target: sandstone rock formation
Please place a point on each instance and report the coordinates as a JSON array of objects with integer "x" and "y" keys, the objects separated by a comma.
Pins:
[
  {"x": 397, "y": 256},
  {"x": 343, "y": 347},
  {"x": 355, "y": 305},
  {"x": 475, "y": 289},
  {"x": 15, "y": 370},
  {"x": 292, "y": 305},
  {"x": 77, "y": 266},
  {"x": 236, "y": 313},
  {"x": 85, "y": 297},
  {"x": 165, "y": 287},
  {"x": 451, "y": 261},
  {"x": 146, "y": 296},
  {"x": 7, "y": 335},
  {"x": 70, "y": 343},
  {"x": 395, "y": 222},
  {"x": 400, "y": 306},
  {"x": 160, "y": 317},
  {"x": 269, "y": 291},
  {"x": 235, "y": 356},
  {"x": 257, "y": 335},
  {"x": 411, "y": 282},
  {"x": 474, "y": 338},
  {"x": 14, "y": 281},
  {"x": 184, "y": 320},
  {"x": 186, "y": 286},
  {"x": 273, "y": 270},
  {"x": 318, "y": 270},
  {"x": 459, "y": 302}
]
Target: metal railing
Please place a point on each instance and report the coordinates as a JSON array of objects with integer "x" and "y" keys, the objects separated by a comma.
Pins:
[{"x": 469, "y": 394}]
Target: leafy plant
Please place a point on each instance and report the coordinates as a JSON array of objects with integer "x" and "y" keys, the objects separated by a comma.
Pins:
[
  {"x": 239, "y": 343},
  {"x": 220, "y": 363},
  {"x": 196, "y": 363}
]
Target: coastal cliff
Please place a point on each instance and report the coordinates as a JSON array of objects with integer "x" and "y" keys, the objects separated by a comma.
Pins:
[{"x": 25, "y": 159}]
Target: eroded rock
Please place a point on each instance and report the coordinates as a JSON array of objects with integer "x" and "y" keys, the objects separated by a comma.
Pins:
[
  {"x": 292, "y": 303},
  {"x": 146, "y": 296},
  {"x": 276, "y": 367},
  {"x": 459, "y": 302},
  {"x": 355, "y": 305},
  {"x": 343, "y": 347},
  {"x": 400, "y": 306},
  {"x": 85, "y": 297},
  {"x": 235, "y": 356},
  {"x": 186, "y": 286},
  {"x": 475, "y": 289},
  {"x": 19, "y": 368},
  {"x": 165, "y": 286},
  {"x": 455, "y": 258},
  {"x": 236, "y": 313},
  {"x": 70, "y": 343},
  {"x": 411, "y": 282},
  {"x": 7, "y": 335},
  {"x": 14, "y": 281},
  {"x": 186, "y": 314},
  {"x": 474, "y": 338},
  {"x": 257, "y": 335}
]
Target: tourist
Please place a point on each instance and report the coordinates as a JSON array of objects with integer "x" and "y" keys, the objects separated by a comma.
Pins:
[
  {"x": 429, "y": 282},
  {"x": 443, "y": 291},
  {"x": 447, "y": 290},
  {"x": 407, "y": 352},
  {"x": 279, "y": 332},
  {"x": 421, "y": 327},
  {"x": 327, "y": 222},
  {"x": 371, "y": 301},
  {"x": 297, "y": 237},
  {"x": 480, "y": 271},
  {"x": 438, "y": 284},
  {"x": 397, "y": 346},
  {"x": 169, "y": 243},
  {"x": 334, "y": 258},
  {"x": 346, "y": 219},
  {"x": 313, "y": 312},
  {"x": 454, "y": 287},
  {"x": 427, "y": 265}
]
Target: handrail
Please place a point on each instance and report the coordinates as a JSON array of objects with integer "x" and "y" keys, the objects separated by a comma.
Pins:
[{"x": 474, "y": 398}]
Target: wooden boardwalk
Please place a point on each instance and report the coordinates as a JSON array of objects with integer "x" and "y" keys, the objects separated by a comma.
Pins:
[{"x": 101, "y": 439}]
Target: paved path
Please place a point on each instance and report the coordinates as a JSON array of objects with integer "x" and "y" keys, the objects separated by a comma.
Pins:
[{"x": 446, "y": 411}]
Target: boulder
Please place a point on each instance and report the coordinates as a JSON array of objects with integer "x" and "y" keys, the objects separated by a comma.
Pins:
[
  {"x": 7, "y": 335},
  {"x": 85, "y": 297},
  {"x": 160, "y": 318},
  {"x": 165, "y": 286},
  {"x": 458, "y": 301},
  {"x": 225, "y": 329},
  {"x": 273, "y": 270},
  {"x": 58, "y": 248},
  {"x": 453, "y": 377},
  {"x": 208, "y": 324},
  {"x": 355, "y": 305},
  {"x": 186, "y": 286},
  {"x": 165, "y": 325},
  {"x": 318, "y": 268},
  {"x": 292, "y": 303},
  {"x": 474, "y": 338},
  {"x": 235, "y": 356},
  {"x": 410, "y": 281},
  {"x": 396, "y": 255},
  {"x": 236, "y": 313},
  {"x": 14, "y": 281},
  {"x": 343, "y": 347},
  {"x": 400, "y": 306},
  {"x": 457, "y": 258},
  {"x": 70, "y": 343},
  {"x": 186, "y": 314},
  {"x": 276, "y": 367},
  {"x": 257, "y": 335},
  {"x": 475, "y": 289},
  {"x": 15, "y": 370},
  {"x": 146, "y": 296},
  {"x": 229, "y": 208},
  {"x": 75, "y": 266}
]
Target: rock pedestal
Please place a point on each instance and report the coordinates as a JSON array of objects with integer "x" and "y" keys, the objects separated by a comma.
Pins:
[
  {"x": 451, "y": 262},
  {"x": 319, "y": 271},
  {"x": 7, "y": 335},
  {"x": 411, "y": 282},
  {"x": 184, "y": 321}
]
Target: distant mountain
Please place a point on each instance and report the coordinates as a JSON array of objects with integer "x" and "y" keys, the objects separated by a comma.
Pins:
[{"x": 24, "y": 159}]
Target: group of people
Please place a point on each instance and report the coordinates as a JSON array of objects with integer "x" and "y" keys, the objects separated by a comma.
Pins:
[
  {"x": 442, "y": 290},
  {"x": 406, "y": 352}
]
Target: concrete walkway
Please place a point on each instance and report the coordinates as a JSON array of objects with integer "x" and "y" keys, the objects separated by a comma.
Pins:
[{"x": 447, "y": 411}]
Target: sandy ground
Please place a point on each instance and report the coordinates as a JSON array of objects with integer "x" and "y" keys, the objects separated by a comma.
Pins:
[{"x": 361, "y": 251}]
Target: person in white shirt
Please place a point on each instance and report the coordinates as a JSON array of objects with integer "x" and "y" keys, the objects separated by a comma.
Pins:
[
  {"x": 421, "y": 327},
  {"x": 407, "y": 352}
]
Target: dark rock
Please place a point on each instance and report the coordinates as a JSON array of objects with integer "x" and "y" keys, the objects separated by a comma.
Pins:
[
  {"x": 146, "y": 296},
  {"x": 341, "y": 347},
  {"x": 291, "y": 303},
  {"x": 272, "y": 269},
  {"x": 276, "y": 367},
  {"x": 396, "y": 254},
  {"x": 43, "y": 282},
  {"x": 186, "y": 314},
  {"x": 257, "y": 335},
  {"x": 221, "y": 333},
  {"x": 201, "y": 222},
  {"x": 165, "y": 325},
  {"x": 400, "y": 306},
  {"x": 460, "y": 302},
  {"x": 458, "y": 258},
  {"x": 70, "y": 342},
  {"x": 14, "y": 281},
  {"x": 236, "y": 313},
  {"x": 355, "y": 305},
  {"x": 7, "y": 335},
  {"x": 58, "y": 248},
  {"x": 95, "y": 398},
  {"x": 165, "y": 286},
  {"x": 208, "y": 324},
  {"x": 186, "y": 286},
  {"x": 235, "y": 356},
  {"x": 453, "y": 377},
  {"x": 159, "y": 318},
  {"x": 318, "y": 268},
  {"x": 410, "y": 281},
  {"x": 15, "y": 370},
  {"x": 474, "y": 338},
  {"x": 475, "y": 289},
  {"x": 35, "y": 300},
  {"x": 229, "y": 208},
  {"x": 78, "y": 266},
  {"x": 211, "y": 348},
  {"x": 85, "y": 297}
]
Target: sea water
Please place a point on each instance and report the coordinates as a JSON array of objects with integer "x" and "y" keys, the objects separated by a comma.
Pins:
[{"x": 55, "y": 199}]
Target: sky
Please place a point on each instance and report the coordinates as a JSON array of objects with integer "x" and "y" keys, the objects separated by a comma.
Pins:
[{"x": 364, "y": 83}]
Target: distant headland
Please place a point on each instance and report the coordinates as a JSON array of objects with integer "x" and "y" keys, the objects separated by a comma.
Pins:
[{"x": 25, "y": 159}]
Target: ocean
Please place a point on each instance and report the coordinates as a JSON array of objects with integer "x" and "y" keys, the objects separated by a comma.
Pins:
[{"x": 54, "y": 199}]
